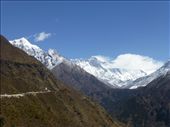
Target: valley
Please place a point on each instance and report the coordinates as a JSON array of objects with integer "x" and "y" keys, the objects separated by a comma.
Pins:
[{"x": 126, "y": 102}]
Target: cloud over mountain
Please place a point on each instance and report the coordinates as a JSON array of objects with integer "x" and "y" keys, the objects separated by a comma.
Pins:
[
  {"x": 41, "y": 36},
  {"x": 129, "y": 61},
  {"x": 117, "y": 71},
  {"x": 133, "y": 61}
]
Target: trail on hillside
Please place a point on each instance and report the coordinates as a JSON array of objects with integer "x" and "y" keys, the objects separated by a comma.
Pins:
[{"x": 23, "y": 94}]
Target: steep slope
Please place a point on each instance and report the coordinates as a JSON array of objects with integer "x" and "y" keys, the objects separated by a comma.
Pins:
[
  {"x": 143, "y": 81},
  {"x": 76, "y": 77},
  {"x": 22, "y": 73},
  {"x": 31, "y": 96}
]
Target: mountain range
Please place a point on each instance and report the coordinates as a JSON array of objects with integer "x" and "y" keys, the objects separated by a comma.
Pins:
[
  {"x": 66, "y": 71},
  {"x": 104, "y": 71},
  {"x": 107, "y": 71}
]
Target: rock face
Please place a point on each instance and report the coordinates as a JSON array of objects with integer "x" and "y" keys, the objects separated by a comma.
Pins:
[{"x": 32, "y": 97}]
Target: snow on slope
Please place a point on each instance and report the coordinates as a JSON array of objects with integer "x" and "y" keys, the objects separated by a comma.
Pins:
[
  {"x": 143, "y": 81},
  {"x": 50, "y": 59},
  {"x": 120, "y": 71}
]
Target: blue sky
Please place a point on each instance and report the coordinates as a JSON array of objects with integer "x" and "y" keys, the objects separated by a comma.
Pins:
[{"x": 83, "y": 29}]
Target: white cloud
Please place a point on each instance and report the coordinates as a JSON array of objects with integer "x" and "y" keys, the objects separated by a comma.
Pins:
[
  {"x": 130, "y": 62},
  {"x": 41, "y": 36},
  {"x": 133, "y": 61}
]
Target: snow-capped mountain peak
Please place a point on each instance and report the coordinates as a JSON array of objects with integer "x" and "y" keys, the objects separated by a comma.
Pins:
[
  {"x": 119, "y": 71},
  {"x": 50, "y": 58},
  {"x": 54, "y": 55},
  {"x": 25, "y": 43},
  {"x": 105, "y": 71},
  {"x": 55, "y": 58}
]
